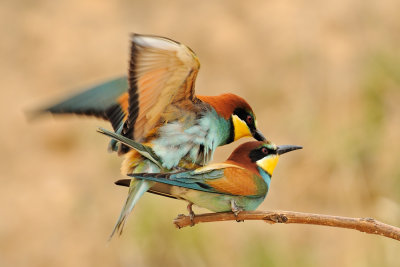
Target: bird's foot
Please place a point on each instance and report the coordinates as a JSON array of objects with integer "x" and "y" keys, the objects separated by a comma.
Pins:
[
  {"x": 236, "y": 210},
  {"x": 191, "y": 213}
]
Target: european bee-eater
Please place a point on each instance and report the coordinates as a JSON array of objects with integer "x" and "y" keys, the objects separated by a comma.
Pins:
[
  {"x": 160, "y": 106},
  {"x": 239, "y": 183}
]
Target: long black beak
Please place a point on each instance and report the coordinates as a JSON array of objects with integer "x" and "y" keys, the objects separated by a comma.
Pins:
[
  {"x": 287, "y": 148},
  {"x": 123, "y": 182},
  {"x": 258, "y": 135}
]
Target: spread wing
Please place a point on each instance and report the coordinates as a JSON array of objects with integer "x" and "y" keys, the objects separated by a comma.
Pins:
[
  {"x": 161, "y": 72},
  {"x": 107, "y": 101},
  {"x": 228, "y": 179}
]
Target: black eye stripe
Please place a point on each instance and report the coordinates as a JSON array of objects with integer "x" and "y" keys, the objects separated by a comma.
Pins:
[
  {"x": 245, "y": 116},
  {"x": 259, "y": 153}
]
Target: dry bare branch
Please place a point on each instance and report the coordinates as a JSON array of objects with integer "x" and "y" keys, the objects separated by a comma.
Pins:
[{"x": 366, "y": 225}]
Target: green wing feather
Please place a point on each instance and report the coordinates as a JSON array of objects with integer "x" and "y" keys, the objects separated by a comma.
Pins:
[
  {"x": 99, "y": 101},
  {"x": 185, "y": 179},
  {"x": 142, "y": 149}
]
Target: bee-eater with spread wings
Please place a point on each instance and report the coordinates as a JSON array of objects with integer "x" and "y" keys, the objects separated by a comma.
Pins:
[{"x": 161, "y": 107}]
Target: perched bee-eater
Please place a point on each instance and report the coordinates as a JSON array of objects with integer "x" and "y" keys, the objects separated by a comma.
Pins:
[
  {"x": 161, "y": 110},
  {"x": 239, "y": 183}
]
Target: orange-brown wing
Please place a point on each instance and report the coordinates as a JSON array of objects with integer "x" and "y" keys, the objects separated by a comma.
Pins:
[
  {"x": 161, "y": 72},
  {"x": 237, "y": 181}
]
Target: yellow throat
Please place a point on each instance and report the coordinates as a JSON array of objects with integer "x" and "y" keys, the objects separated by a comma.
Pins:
[
  {"x": 268, "y": 163},
  {"x": 240, "y": 128}
]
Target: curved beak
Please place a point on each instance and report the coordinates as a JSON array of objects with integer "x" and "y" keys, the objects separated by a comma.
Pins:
[
  {"x": 287, "y": 148},
  {"x": 258, "y": 135}
]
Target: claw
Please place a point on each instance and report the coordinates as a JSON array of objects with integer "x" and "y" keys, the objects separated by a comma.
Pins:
[
  {"x": 191, "y": 213},
  {"x": 236, "y": 210}
]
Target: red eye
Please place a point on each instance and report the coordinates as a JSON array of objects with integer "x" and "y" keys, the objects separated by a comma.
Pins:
[
  {"x": 249, "y": 119},
  {"x": 264, "y": 150}
]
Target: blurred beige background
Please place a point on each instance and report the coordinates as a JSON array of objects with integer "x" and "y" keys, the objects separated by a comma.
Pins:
[{"x": 322, "y": 74}]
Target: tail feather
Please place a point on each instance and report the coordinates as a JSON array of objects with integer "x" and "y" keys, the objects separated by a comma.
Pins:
[
  {"x": 157, "y": 189},
  {"x": 137, "y": 189}
]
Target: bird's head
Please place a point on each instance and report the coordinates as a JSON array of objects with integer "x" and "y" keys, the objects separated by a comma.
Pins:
[
  {"x": 238, "y": 111},
  {"x": 245, "y": 124},
  {"x": 260, "y": 154}
]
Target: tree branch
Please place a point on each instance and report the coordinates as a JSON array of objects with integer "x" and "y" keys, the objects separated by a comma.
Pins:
[{"x": 366, "y": 225}]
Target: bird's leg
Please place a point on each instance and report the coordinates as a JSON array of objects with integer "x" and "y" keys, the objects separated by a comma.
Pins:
[
  {"x": 191, "y": 213},
  {"x": 236, "y": 209}
]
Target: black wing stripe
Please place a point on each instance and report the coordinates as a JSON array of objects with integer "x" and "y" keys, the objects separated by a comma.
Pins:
[
  {"x": 115, "y": 115},
  {"x": 133, "y": 109},
  {"x": 86, "y": 112}
]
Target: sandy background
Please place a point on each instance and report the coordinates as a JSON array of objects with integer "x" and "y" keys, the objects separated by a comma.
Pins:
[{"x": 322, "y": 74}]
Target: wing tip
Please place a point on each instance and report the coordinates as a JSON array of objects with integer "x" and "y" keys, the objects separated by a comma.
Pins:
[
  {"x": 34, "y": 114},
  {"x": 155, "y": 41},
  {"x": 101, "y": 130}
]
